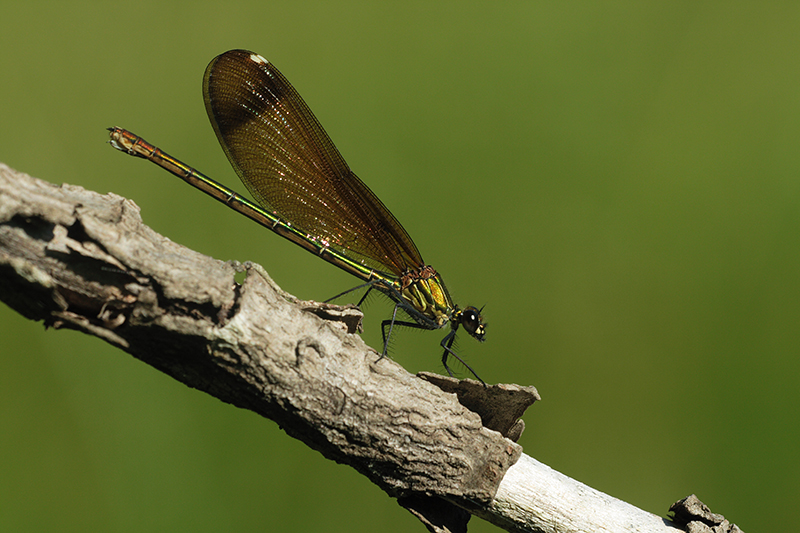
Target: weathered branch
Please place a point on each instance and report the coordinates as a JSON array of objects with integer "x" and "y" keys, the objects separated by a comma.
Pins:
[{"x": 81, "y": 260}]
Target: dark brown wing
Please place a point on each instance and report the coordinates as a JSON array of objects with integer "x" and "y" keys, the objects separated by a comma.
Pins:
[{"x": 290, "y": 165}]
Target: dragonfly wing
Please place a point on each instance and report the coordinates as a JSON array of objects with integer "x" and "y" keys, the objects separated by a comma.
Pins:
[{"x": 292, "y": 168}]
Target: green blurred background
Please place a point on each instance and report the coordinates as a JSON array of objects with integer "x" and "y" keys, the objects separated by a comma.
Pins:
[{"x": 618, "y": 182}]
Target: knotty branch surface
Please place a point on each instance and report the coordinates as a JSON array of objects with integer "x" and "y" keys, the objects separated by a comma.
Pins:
[{"x": 77, "y": 259}]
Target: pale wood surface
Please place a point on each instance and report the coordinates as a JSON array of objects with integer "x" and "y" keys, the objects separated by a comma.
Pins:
[{"x": 85, "y": 261}]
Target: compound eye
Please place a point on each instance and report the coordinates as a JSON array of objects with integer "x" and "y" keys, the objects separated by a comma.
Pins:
[{"x": 472, "y": 321}]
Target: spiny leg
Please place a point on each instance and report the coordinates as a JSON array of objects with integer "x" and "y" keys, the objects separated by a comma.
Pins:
[
  {"x": 370, "y": 284},
  {"x": 361, "y": 301},
  {"x": 392, "y": 323},
  {"x": 386, "y": 337},
  {"x": 447, "y": 344}
]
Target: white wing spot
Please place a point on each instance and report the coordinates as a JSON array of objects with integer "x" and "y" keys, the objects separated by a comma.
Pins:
[{"x": 258, "y": 59}]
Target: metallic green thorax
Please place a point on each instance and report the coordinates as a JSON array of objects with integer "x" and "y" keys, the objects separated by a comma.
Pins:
[{"x": 425, "y": 292}]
